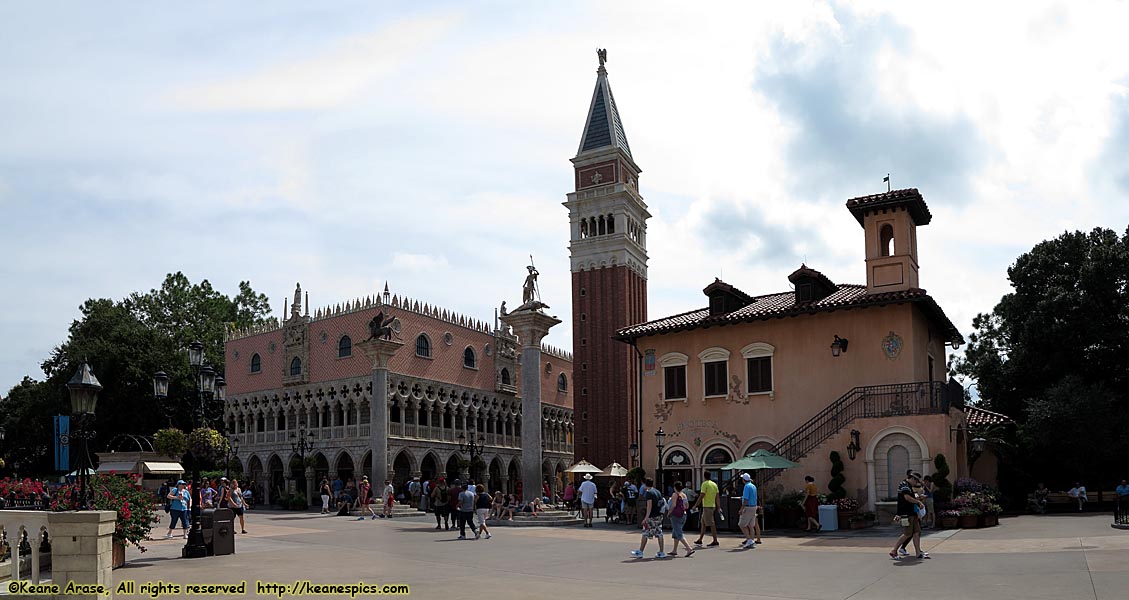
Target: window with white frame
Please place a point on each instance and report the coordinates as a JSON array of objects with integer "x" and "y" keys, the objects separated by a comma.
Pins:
[
  {"x": 674, "y": 375},
  {"x": 715, "y": 371},
  {"x": 758, "y": 367}
]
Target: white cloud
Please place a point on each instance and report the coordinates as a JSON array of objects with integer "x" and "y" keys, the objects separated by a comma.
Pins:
[{"x": 334, "y": 77}]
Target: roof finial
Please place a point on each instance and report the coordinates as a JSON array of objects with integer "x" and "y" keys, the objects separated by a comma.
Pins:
[{"x": 602, "y": 54}]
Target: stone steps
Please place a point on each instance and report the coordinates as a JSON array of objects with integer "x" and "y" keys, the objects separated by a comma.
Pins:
[{"x": 548, "y": 518}]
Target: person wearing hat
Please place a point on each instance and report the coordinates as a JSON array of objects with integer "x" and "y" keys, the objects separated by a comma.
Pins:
[
  {"x": 748, "y": 515},
  {"x": 180, "y": 501},
  {"x": 587, "y": 498}
]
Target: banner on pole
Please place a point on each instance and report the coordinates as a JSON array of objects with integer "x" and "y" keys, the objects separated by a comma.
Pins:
[{"x": 62, "y": 443}]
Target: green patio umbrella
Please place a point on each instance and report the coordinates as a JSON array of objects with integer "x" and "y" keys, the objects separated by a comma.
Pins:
[{"x": 761, "y": 459}]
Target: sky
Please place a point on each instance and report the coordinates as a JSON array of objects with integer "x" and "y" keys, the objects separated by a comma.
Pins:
[{"x": 427, "y": 144}]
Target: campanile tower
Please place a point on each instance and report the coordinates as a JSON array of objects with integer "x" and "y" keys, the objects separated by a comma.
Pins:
[{"x": 608, "y": 250}]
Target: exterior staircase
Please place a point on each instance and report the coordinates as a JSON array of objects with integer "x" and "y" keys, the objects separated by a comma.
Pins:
[
  {"x": 867, "y": 402},
  {"x": 545, "y": 518}
]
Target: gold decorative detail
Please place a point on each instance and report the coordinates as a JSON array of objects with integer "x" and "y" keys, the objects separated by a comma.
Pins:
[{"x": 736, "y": 391}]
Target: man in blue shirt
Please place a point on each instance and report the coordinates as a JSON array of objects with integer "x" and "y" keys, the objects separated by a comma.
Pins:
[
  {"x": 1122, "y": 498},
  {"x": 748, "y": 514}
]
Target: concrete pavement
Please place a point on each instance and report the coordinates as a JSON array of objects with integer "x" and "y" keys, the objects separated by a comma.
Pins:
[{"x": 1059, "y": 557}]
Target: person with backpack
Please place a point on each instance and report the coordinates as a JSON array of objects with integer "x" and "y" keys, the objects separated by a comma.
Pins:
[
  {"x": 439, "y": 502},
  {"x": 630, "y": 496},
  {"x": 653, "y": 505},
  {"x": 678, "y": 513},
  {"x": 482, "y": 502}
]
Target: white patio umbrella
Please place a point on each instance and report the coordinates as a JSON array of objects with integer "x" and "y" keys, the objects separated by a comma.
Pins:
[
  {"x": 613, "y": 470},
  {"x": 584, "y": 467}
]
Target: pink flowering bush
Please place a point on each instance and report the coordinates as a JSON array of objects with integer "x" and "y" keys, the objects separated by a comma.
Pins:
[{"x": 113, "y": 492}]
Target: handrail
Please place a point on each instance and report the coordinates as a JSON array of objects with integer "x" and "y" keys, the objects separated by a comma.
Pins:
[{"x": 863, "y": 402}]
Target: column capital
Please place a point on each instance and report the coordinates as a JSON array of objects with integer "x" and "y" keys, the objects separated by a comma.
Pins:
[
  {"x": 379, "y": 351},
  {"x": 531, "y": 326}
]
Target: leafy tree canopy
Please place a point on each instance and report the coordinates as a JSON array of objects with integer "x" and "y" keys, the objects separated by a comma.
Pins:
[
  {"x": 126, "y": 342},
  {"x": 1051, "y": 354}
]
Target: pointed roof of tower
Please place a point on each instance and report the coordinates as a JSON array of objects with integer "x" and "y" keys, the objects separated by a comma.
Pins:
[{"x": 603, "y": 128}]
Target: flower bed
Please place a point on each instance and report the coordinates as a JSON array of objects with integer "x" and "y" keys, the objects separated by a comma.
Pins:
[{"x": 133, "y": 505}]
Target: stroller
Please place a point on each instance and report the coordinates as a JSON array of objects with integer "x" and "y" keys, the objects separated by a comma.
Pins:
[{"x": 613, "y": 512}]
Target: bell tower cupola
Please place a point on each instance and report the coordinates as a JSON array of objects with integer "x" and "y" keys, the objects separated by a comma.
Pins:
[{"x": 890, "y": 223}]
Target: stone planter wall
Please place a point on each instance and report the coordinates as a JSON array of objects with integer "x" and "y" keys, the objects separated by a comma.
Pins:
[{"x": 886, "y": 512}]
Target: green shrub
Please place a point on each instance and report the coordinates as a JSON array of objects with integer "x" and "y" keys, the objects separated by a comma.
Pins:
[
  {"x": 636, "y": 474},
  {"x": 835, "y": 485},
  {"x": 943, "y": 491}
]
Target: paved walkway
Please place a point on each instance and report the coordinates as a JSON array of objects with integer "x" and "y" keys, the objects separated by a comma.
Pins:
[{"x": 1059, "y": 557}]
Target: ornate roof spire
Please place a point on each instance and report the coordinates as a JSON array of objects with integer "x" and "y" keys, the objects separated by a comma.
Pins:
[{"x": 603, "y": 128}]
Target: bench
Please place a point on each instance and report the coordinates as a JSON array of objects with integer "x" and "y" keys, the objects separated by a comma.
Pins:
[{"x": 1062, "y": 501}]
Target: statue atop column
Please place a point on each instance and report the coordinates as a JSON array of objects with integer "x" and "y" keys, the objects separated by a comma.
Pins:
[
  {"x": 296, "y": 307},
  {"x": 380, "y": 327},
  {"x": 530, "y": 295}
]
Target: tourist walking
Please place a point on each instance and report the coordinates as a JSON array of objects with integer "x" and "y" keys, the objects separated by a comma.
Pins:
[
  {"x": 465, "y": 508},
  {"x": 747, "y": 517},
  {"x": 388, "y": 495},
  {"x": 630, "y": 499},
  {"x": 365, "y": 494},
  {"x": 482, "y": 504},
  {"x": 908, "y": 506},
  {"x": 425, "y": 495},
  {"x": 326, "y": 492},
  {"x": 439, "y": 504},
  {"x": 587, "y": 499},
  {"x": 180, "y": 502},
  {"x": 678, "y": 509},
  {"x": 237, "y": 504},
  {"x": 651, "y": 503},
  {"x": 811, "y": 505},
  {"x": 707, "y": 500},
  {"x": 414, "y": 490},
  {"x": 927, "y": 489},
  {"x": 207, "y": 495}
]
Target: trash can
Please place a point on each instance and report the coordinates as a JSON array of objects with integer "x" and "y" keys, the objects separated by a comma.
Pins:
[
  {"x": 829, "y": 517},
  {"x": 218, "y": 526}
]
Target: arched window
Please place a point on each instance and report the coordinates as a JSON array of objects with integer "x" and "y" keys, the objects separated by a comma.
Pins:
[
  {"x": 584, "y": 228},
  {"x": 603, "y": 227},
  {"x": 423, "y": 346},
  {"x": 506, "y": 377},
  {"x": 256, "y": 363},
  {"x": 470, "y": 361},
  {"x": 344, "y": 347},
  {"x": 562, "y": 383},
  {"x": 886, "y": 240},
  {"x": 677, "y": 458},
  {"x": 611, "y": 223},
  {"x": 295, "y": 367},
  {"x": 714, "y": 460}
]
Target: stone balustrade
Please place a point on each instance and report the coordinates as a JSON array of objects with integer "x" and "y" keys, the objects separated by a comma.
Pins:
[{"x": 79, "y": 546}]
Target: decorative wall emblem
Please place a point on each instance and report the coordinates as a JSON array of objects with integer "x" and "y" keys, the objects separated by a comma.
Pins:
[
  {"x": 271, "y": 348},
  {"x": 892, "y": 345},
  {"x": 737, "y": 391},
  {"x": 324, "y": 336},
  {"x": 597, "y": 178},
  {"x": 235, "y": 354},
  {"x": 649, "y": 361},
  {"x": 448, "y": 338},
  {"x": 487, "y": 350},
  {"x": 698, "y": 442}
]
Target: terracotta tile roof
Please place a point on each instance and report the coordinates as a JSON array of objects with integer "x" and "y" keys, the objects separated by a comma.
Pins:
[
  {"x": 981, "y": 417},
  {"x": 910, "y": 198},
  {"x": 771, "y": 306}
]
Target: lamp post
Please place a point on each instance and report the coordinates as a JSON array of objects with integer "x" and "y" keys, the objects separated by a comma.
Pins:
[
  {"x": 300, "y": 444},
  {"x": 660, "y": 443},
  {"x": 206, "y": 406},
  {"x": 232, "y": 452},
  {"x": 634, "y": 450},
  {"x": 83, "y": 388},
  {"x": 474, "y": 447}
]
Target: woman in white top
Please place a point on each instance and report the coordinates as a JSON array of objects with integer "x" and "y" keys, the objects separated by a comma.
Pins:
[{"x": 235, "y": 501}]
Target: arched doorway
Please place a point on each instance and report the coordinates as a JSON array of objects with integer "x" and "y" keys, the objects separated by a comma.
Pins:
[
  {"x": 401, "y": 469},
  {"x": 546, "y": 477},
  {"x": 900, "y": 448},
  {"x": 677, "y": 466},
  {"x": 344, "y": 467},
  {"x": 255, "y": 477},
  {"x": 321, "y": 468},
  {"x": 454, "y": 470},
  {"x": 557, "y": 482},
  {"x": 366, "y": 467},
  {"x": 429, "y": 467},
  {"x": 495, "y": 480},
  {"x": 277, "y": 478},
  {"x": 714, "y": 459},
  {"x": 513, "y": 476}
]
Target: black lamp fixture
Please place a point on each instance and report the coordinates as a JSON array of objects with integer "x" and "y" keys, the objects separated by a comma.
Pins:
[
  {"x": 853, "y": 447},
  {"x": 83, "y": 388},
  {"x": 838, "y": 346},
  {"x": 660, "y": 443},
  {"x": 634, "y": 450},
  {"x": 977, "y": 445}
]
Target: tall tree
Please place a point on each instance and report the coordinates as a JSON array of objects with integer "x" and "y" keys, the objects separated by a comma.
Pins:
[
  {"x": 1051, "y": 354},
  {"x": 126, "y": 342}
]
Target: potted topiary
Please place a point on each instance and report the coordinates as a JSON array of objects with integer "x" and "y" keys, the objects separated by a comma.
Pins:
[
  {"x": 991, "y": 515},
  {"x": 948, "y": 519}
]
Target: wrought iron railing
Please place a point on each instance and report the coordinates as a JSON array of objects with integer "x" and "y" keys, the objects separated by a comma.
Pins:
[
  {"x": 867, "y": 402},
  {"x": 1121, "y": 512}
]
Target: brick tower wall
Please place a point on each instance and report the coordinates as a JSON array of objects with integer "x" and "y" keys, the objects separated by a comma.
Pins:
[{"x": 606, "y": 416}]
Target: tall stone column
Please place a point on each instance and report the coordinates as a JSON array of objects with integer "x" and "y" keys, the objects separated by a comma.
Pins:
[
  {"x": 531, "y": 326},
  {"x": 380, "y": 352}
]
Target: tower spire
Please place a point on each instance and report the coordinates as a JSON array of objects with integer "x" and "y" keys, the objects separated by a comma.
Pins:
[{"x": 603, "y": 128}]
